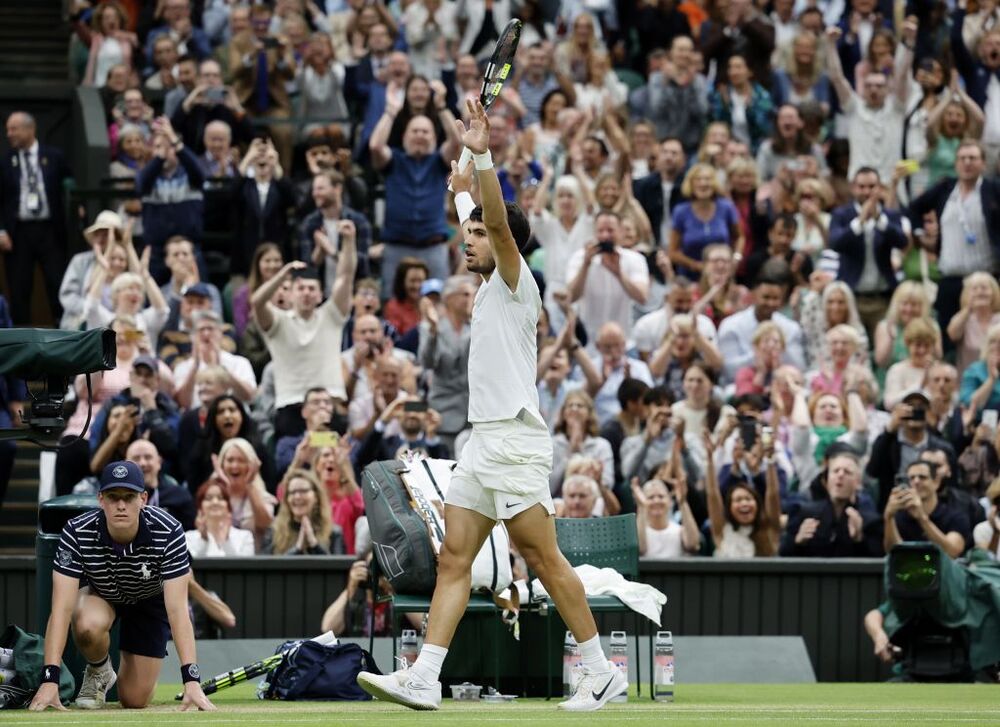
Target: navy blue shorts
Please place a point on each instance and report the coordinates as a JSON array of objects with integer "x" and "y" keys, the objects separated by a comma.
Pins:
[{"x": 144, "y": 628}]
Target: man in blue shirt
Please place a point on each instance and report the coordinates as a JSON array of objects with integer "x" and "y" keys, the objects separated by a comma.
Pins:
[{"x": 123, "y": 562}]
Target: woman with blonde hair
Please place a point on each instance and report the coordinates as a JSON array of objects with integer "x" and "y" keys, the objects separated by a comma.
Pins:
[
  {"x": 332, "y": 466},
  {"x": 980, "y": 388},
  {"x": 110, "y": 41},
  {"x": 820, "y": 312},
  {"x": 303, "y": 525},
  {"x": 743, "y": 180},
  {"x": 922, "y": 340},
  {"x": 238, "y": 467},
  {"x": 979, "y": 311},
  {"x": 718, "y": 283},
  {"x": 909, "y": 301},
  {"x": 840, "y": 371},
  {"x": 577, "y": 433},
  {"x": 768, "y": 342},
  {"x": 819, "y": 421},
  {"x": 708, "y": 218},
  {"x": 812, "y": 232}
]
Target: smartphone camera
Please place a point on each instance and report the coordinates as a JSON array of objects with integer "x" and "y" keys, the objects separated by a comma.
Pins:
[
  {"x": 606, "y": 247},
  {"x": 903, "y": 482},
  {"x": 415, "y": 406},
  {"x": 748, "y": 431}
]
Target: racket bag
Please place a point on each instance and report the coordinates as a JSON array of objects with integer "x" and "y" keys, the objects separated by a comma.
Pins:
[{"x": 29, "y": 658}]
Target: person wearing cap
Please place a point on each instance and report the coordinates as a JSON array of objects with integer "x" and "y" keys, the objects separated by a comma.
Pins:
[
  {"x": 32, "y": 216},
  {"x": 906, "y": 435},
  {"x": 305, "y": 341},
  {"x": 834, "y": 524},
  {"x": 162, "y": 490},
  {"x": 158, "y": 414},
  {"x": 73, "y": 289},
  {"x": 124, "y": 562},
  {"x": 206, "y": 350},
  {"x": 174, "y": 344}
]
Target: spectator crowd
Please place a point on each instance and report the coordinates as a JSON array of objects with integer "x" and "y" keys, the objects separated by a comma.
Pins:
[{"x": 767, "y": 235}]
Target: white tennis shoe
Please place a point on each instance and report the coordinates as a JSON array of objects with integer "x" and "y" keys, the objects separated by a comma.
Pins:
[
  {"x": 595, "y": 689},
  {"x": 402, "y": 687},
  {"x": 97, "y": 682}
]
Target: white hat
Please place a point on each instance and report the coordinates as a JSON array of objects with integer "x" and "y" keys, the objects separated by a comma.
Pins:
[{"x": 105, "y": 220}]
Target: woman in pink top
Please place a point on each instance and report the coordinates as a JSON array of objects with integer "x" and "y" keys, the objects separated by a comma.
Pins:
[
  {"x": 333, "y": 467},
  {"x": 980, "y": 310}
]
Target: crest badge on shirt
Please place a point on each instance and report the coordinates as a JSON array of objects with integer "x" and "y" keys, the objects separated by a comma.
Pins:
[{"x": 64, "y": 557}]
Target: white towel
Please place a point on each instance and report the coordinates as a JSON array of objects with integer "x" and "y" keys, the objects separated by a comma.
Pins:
[{"x": 640, "y": 597}]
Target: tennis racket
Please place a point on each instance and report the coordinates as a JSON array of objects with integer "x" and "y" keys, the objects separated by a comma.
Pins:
[
  {"x": 498, "y": 70},
  {"x": 231, "y": 678}
]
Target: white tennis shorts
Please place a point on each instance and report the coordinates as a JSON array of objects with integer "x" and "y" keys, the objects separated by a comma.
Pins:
[{"x": 504, "y": 469}]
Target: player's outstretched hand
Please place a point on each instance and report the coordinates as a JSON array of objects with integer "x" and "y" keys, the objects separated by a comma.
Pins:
[
  {"x": 47, "y": 696},
  {"x": 194, "y": 698},
  {"x": 461, "y": 179},
  {"x": 477, "y": 136}
]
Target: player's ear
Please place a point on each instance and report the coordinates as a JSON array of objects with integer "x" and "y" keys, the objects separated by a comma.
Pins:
[{"x": 143, "y": 498}]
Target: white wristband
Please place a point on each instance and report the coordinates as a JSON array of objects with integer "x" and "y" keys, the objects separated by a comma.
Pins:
[
  {"x": 464, "y": 205},
  {"x": 483, "y": 161}
]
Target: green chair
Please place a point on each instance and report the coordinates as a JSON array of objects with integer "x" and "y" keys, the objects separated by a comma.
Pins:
[
  {"x": 606, "y": 542},
  {"x": 630, "y": 78}
]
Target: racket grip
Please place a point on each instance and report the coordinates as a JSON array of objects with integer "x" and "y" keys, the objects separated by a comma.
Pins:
[{"x": 463, "y": 161}]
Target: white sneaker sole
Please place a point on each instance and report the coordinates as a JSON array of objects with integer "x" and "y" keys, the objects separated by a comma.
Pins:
[
  {"x": 370, "y": 683},
  {"x": 99, "y": 702}
]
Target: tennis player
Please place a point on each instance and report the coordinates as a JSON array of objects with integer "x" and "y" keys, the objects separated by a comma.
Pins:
[
  {"x": 503, "y": 473},
  {"x": 124, "y": 562}
]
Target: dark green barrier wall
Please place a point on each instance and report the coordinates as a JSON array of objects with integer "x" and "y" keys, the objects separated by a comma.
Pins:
[{"x": 823, "y": 601}]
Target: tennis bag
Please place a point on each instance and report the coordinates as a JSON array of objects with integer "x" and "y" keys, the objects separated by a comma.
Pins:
[
  {"x": 404, "y": 502},
  {"x": 29, "y": 658},
  {"x": 315, "y": 672}
]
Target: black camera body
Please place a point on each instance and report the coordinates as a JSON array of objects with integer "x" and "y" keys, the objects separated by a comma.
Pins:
[{"x": 55, "y": 358}]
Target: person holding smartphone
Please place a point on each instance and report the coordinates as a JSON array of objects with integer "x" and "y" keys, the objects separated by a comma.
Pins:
[
  {"x": 914, "y": 513},
  {"x": 418, "y": 430}
]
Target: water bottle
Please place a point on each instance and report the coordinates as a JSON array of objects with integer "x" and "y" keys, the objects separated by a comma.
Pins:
[
  {"x": 571, "y": 660},
  {"x": 408, "y": 646},
  {"x": 663, "y": 669},
  {"x": 619, "y": 657}
]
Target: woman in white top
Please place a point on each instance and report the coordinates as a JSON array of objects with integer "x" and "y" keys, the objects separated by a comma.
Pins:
[
  {"x": 660, "y": 536},
  {"x": 561, "y": 232},
  {"x": 238, "y": 467},
  {"x": 321, "y": 82},
  {"x": 430, "y": 29},
  {"x": 980, "y": 310},
  {"x": 602, "y": 92},
  {"x": 820, "y": 312},
  {"x": 128, "y": 293},
  {"x": 922, "y": 340},
  {"x": 742, "y": 526},
  {"x": 812, "y": 231},
  {"x": 110, "y": 44},
  {"x": 215, "y": 535}
]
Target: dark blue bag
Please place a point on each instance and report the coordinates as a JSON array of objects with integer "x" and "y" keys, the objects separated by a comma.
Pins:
[{"x": 316, "y": 672}]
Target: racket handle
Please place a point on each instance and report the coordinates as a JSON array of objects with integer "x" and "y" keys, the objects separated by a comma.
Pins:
[{"x": 463, "y": 161}]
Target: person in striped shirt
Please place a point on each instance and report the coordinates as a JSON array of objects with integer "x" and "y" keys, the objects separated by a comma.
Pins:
[{"x": 126, "y": 562}]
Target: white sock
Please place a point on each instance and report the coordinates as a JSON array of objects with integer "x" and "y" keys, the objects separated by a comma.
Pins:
[
  {"x": 594, "y": 660},
  {"x": 428, "y": 664}
]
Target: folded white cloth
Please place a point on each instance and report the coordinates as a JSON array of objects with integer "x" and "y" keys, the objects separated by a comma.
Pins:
[{"x": 640, "y": 597}]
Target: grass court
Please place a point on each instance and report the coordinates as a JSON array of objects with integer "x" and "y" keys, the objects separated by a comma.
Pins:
[{"x": 715, "y": 704}]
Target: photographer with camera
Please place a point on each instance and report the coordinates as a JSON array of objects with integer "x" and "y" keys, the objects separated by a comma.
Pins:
[
  {"x": 606, "y": 278},
  {"x": 914, "y": 513},
  {"x": 906, "y": 435},
  {"x": 211, "y": 101}
]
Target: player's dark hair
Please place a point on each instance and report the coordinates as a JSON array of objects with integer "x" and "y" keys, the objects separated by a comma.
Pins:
[{"x": 517, "y": 221}]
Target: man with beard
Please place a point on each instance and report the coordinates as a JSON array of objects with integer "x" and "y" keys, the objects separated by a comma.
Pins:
[
  {"x": 418, "y": 431},
  {"x": 318, "y": 233}
]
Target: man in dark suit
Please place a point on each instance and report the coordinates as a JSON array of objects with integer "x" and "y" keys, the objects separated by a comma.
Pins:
[
  {"x": 264, "y": 203},
  {"x": 660, "y": 192},
  {"x": 960, "y": 217},
  {"x": 33, "y": 228},
  {"x": 864, "y": 234},
  {"x": 12, "y": 395},
  {"x": 836, "y": 522}
]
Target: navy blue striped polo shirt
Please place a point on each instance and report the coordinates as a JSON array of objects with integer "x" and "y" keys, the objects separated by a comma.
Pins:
[{"x": 129, "y": 573}]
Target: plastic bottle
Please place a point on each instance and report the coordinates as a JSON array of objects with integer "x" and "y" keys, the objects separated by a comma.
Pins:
[
  {"x": 663, "y": 659},
  {"x": 619, "y": 656},
  {"x": 571, "y": 660},
  {"x": 408, "y": 646}
]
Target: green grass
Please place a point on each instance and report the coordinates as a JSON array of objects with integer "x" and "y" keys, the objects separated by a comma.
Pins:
[{"x": 798, "y": 704}]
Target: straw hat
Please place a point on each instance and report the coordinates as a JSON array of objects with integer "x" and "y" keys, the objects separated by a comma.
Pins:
[{"x": 105, "y": 220}]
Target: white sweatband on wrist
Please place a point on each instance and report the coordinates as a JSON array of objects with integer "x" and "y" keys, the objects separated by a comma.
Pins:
[
  {"x": 483, "y": 161},
  {"x": 464, "y": 204}
]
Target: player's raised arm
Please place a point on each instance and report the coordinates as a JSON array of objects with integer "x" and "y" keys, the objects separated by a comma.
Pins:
[{"x": 502, "y": 243}]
